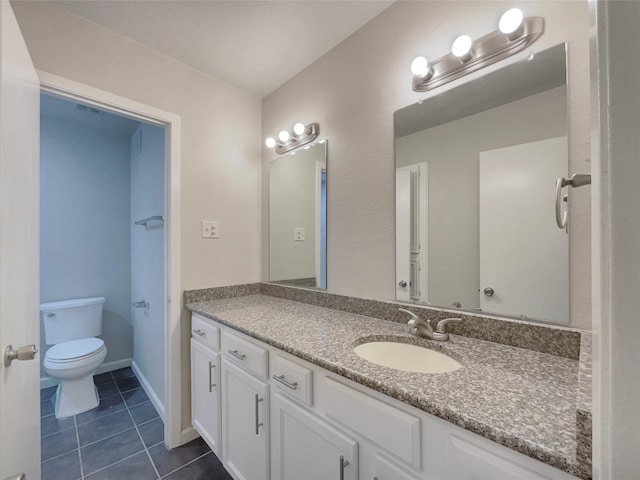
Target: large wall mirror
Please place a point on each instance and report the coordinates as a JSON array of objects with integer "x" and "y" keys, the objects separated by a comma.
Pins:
[
  {"x": 298, "y": 217},
  {"x": 475, "y": 193}
]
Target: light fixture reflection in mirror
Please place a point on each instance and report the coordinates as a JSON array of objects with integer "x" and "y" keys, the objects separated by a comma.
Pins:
[
  {"x": 475, "y": 171},
  {"x": 298, "y": 217}
]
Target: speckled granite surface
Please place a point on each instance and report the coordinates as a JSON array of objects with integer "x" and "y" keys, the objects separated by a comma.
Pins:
[
  {"x": 584, "y": 407},
  {"x": 523, "y": 399},
  {"x": 545, "y": 338},
  {"x": 208, "y": 294}
]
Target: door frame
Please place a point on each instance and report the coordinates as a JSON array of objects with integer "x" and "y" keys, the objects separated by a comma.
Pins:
[{"x": 74, "y": 91}]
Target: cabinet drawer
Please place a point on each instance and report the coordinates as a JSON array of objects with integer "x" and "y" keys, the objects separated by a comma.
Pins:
[
  {"x": 205, "y": 331},
  {"x": 292, "y": 379},
  {"x": 245, "y": 354},
  {"x": 390, "y": 428}
]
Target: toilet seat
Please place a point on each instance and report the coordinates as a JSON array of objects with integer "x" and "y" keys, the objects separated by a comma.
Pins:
[{"x": 75, "y": 350}]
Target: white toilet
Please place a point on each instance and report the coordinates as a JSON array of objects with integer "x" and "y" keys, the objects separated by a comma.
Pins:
[{"x": 71, "y": 327}]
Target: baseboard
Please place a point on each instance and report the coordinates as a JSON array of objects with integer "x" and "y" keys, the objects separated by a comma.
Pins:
[
  {"x": 188, "y": 434},
  {"x": 46, "y": 382},
  {"x": 146, "y": 386}
]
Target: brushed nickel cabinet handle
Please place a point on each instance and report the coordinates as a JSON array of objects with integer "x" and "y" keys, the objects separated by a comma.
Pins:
[
  {"x": 291, "y": 385},
  {"x": 343, "y": 464},
  {"x": 258, "y": 424},
  {"x": 211, "y": 385},
  {"x": 237, "y": 354}
]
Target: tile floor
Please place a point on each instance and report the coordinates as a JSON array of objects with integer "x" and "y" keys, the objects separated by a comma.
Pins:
[{"x": 120, "y": 439}]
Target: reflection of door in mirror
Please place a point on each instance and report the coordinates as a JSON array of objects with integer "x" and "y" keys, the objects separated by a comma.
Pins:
[
  {"x": 412, "y": 220},
  {"x": 524, "y": 257},
  {"x": 298, "y": 218}
]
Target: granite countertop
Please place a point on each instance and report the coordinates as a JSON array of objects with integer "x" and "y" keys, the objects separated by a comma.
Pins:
[{"x": 519, "y": 398}]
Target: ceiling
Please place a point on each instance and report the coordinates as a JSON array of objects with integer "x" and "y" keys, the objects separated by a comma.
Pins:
[{"x": 254, "y": 45}]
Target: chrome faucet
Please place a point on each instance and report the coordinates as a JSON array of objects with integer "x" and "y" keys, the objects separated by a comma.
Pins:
[{"x": 423, "y": 328}]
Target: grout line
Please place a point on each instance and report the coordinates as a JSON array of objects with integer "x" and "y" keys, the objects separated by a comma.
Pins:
[
  {"x": 148, "y": 421},
  {"x": 188, "y": 463},
  {"x": 104, "y": 438},
  {"x": 79, "y": 452},
  {"x": 42, "y": 437},
  {"x": 155, "y": 469},
  {"x": 57, "y": 456}
]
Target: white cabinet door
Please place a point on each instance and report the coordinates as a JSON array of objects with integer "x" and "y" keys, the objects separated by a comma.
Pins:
[
  {"x": 306, "y": 447},
  {"x": 205, "y": 394},
  {"x": 245, "y": 424}
]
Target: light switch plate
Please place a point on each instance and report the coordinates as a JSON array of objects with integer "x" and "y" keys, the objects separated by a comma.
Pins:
[
  {"x": 299, "y": 234},
  {"x": 210, "y": 229}
]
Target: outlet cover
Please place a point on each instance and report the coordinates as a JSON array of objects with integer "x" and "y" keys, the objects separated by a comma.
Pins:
[
  {"x": 299, "y": 234},
  {"x": 210, "y": 229}
]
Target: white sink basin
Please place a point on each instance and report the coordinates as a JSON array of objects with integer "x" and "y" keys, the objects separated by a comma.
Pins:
[{"x": 406, "y": 357}]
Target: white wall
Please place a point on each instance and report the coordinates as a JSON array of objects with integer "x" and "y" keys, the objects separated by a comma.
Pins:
[
  {"x": 616, "y": 356},
  {"x": 148, "y": 255},
  {"x": 221, "y": 137},
  {"x": 84, "y": 224},
  {"x": 452, "y": 151},
  {"x": 353, "y": 90},
  {"x": 292, "y": 203}
]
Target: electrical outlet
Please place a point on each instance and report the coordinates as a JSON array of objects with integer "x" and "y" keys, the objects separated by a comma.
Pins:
[
  {"x": 210, "y": 229},
  {"x": 299, "y": 234}
]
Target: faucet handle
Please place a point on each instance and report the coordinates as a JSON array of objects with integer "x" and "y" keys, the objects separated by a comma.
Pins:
[
  {"x": 413, "y": 315},
  {"x": 440, "y": 326}
]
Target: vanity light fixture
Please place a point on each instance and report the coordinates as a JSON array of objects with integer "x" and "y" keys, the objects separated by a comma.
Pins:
[
  {"x": 302, "y": 135},
  {"x": 515, "y": 33}
]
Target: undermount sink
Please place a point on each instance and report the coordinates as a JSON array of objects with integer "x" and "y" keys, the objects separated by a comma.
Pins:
[{"x": 406, "y": 357}]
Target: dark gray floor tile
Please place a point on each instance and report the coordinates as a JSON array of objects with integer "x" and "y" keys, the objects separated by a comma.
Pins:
[
  {"x": 123, "y": 373},
  {"x": 205, "y": 468},
  {"x": 135, "y": 397},
  {"x": 152, "y": 432},
  {"x": 58, "y": 443},
  {"x": 168, "y": 460},
  {"x": 143, "y": 412},
  {"x": 47, "y": 408},
  {"x": 51, "y": 424},
  {"x": 107, "y": 406},
  {"x": 64, "y": 467},
  {"x": 110, "y": 450},
  {"x": 137, "y": 467},
  {"x": 108, "y": 389},
  {"x": 47, "y": 393},
  {"x": 129, "y": 383},
  {"x": 104, "y": 427},
  {"x": 102, "y": 378}
]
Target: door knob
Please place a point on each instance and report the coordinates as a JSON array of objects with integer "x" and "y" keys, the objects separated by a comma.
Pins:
[
  {"x": 402, "y": 283},
  {"x": 488, "y": 291},
  {"x": 28, "y": 352}
]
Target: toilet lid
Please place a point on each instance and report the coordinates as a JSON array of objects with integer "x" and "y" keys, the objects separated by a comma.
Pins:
[{"x": 74, "y": 349}]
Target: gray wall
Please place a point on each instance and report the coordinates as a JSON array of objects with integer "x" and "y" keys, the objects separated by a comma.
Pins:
[
  {"x": 147, "y": 255},
  {"x": 453, "y": 159},
  {"x": 353, "y": 91},
  {"x": 84, "y": 223}
]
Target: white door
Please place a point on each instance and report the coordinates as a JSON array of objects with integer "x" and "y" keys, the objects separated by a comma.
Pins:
[
  {"x": 307, "y": 447},
  {"x": 412, "y": 220},
  {"x": 524, "y": 256},
  {"x": 205, "y": 394},
  {"x": 245, "y": 424},
  {"x": 19, "y": 297}
]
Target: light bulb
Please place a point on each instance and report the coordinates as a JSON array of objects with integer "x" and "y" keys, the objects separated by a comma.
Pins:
[
  {"x": 283, "y": 136},
  {"x": 298, "y": 128},
  {"x": 270, "y": 142},
  {"x": 420, "y": 67},
  {"x": 510, "y": 21},
  {"x": 461, "y": 46}
]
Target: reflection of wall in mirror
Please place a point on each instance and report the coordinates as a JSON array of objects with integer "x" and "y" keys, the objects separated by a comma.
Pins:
[
  {"x": 452, "y": 151},
  {"x": 292, "y": 204}
]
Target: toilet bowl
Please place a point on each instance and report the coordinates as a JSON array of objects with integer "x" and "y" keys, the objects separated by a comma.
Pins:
[
  {"x": 71, "y": 327},
  {"x": 73, "y": 363}
]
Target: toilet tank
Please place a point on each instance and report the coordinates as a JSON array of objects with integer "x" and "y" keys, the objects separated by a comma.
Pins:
[{"x": 68, "y": 320}]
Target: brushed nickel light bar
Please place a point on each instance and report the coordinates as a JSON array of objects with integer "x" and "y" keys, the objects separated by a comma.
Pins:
[
  {"x": 514, "y": 34},
  {"x": 288, "y": 142}
]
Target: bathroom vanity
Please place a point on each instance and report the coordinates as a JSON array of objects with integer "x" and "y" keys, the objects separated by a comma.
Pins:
[{"x": 278, "y": 392}]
